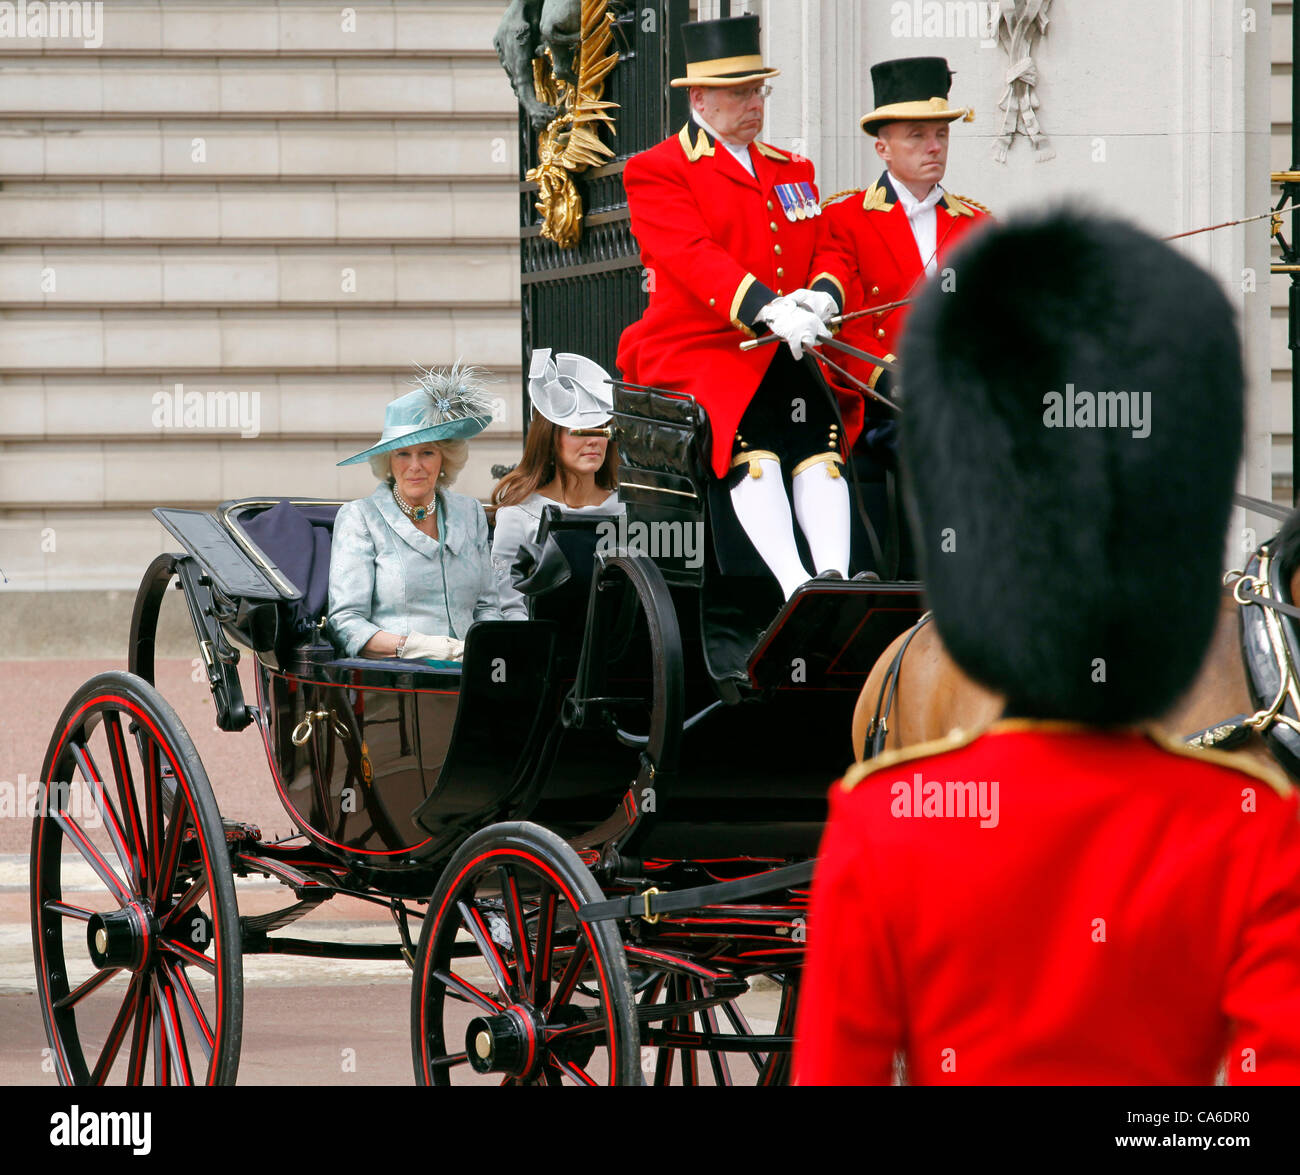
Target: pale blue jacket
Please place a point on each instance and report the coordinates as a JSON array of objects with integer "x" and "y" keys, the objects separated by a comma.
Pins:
[{"x": 387, "y": 576}]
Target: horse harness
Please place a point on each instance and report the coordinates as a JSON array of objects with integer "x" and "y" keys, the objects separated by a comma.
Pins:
[
  {"x": 1270, "y": 643},
  {"x": 878, "y": 731},
  {"x": 1270, "y": 646}
]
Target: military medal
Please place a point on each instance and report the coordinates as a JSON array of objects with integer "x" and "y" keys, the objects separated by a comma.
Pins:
[{"x": 786, "y": 197}]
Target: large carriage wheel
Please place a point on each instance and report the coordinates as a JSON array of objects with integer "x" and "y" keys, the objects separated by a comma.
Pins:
[
  {"x": 135, "y": 929},
  {"x": 509, "y": 987}
]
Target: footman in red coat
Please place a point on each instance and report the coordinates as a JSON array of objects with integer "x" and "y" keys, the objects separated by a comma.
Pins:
[
  {"x": 1066, "y": 897},
  {"x": 734, "y": 244},
  {"x": 901, "y": 229}
]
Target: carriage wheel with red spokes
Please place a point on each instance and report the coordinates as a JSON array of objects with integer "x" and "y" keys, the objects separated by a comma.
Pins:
[
  {"x": 510, "y": 987},
  {"x": 135, "y": 928}
]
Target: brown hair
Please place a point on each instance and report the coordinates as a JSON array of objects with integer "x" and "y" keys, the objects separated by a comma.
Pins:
[{"x": 539, "y": 467}]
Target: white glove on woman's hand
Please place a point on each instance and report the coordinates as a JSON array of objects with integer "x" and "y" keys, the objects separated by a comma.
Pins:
[
  {"x": 419, "y": 647},
  {"x": 819, "y": 302},
  {"x": 800, "y": 328}
]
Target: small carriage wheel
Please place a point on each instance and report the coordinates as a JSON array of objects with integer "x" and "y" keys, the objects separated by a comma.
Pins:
[
  {"x": 503, "y": 961},
  {"x": 135, "y": 928}
]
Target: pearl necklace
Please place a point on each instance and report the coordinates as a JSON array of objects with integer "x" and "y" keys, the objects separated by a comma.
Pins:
[{"x": 415, "y": 513}]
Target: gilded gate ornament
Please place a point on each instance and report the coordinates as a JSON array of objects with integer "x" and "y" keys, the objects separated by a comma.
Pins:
[{"x": 570, "y": 142}]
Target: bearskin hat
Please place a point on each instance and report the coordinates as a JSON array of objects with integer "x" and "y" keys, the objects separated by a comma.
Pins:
[{"x": 1072, "y": 430}]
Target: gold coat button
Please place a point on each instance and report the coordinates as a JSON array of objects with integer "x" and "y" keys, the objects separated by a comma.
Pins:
[
  {"x": 774, "y": 228},
  {"x": 713, "y": 301},
  {"x": 780, "y": 272},
  {"x": 780, "y": 291},
  {"x": 769, "y": 205},
  {"x": 875, "y": 290},
  {"x": 778, "y": 250},
  {"x": 880, "y": 334}
]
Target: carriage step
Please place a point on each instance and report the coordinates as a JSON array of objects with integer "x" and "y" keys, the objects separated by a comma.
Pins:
[{"x": 830, "y": 633}]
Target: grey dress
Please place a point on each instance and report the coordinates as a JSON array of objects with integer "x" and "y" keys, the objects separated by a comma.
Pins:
[
  {"x": 519, "y": 524},
  {"x": 385, "y": 575}
]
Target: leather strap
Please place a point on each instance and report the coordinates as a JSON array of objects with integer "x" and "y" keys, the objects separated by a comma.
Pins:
[{"x": 651, "y": 905}]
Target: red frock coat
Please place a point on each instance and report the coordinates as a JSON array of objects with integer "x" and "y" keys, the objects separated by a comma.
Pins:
[
  {"x": 871, "y": 230},
  {"x": 1132, "y": 917},
  {"x": 717, "y": 246}
]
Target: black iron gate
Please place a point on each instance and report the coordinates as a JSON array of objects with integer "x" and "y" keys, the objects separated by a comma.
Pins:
[{"x": 581, "y": 299}]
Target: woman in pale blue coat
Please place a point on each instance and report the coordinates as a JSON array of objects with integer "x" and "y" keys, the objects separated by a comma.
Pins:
[{"x": 410, "y": 568}]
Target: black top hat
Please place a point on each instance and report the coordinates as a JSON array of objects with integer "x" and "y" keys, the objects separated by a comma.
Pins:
[
  {"x": 723, "y": 53},
  {"x": 912, "y": 88}
]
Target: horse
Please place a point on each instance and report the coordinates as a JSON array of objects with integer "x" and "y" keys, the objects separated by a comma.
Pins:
[{"x": 933, "y": 697}]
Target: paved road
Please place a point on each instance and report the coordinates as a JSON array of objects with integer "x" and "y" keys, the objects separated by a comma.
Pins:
[{"x": 306, "y": 1021}]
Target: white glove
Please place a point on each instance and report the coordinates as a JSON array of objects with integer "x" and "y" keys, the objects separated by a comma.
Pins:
[
  {"x": 820, "y": 303},
  {"x": 800, "y": 328},
  {"x": 432, "y": 648}
]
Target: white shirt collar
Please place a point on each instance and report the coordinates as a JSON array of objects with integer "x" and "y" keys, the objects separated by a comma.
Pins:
[
  {"x": 911, "y": 205},
  {"x": 739, "y": 151}
]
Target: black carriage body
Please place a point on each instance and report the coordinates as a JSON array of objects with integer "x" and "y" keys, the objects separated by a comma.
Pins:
[{"x": 387, "y": 766}]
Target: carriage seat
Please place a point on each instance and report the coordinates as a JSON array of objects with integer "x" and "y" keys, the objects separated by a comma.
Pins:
[{"x": 296, "y": 538}]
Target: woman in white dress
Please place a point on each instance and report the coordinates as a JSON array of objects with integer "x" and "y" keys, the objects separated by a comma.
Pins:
[{"x": 569, "y": 461}]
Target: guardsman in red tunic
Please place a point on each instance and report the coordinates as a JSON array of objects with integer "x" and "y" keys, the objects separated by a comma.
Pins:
[
  {"x": 1065, "y": 897},
  {"x": 900, "y": 230},
  {"x": 733, "y": 242}
]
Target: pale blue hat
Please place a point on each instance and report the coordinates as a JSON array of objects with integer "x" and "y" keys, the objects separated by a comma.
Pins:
[{"x": 447, "y": 405}]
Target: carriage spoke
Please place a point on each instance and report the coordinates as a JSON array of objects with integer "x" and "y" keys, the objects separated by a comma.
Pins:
[
  {"x": 185, "y": 903},
  {"x": 575, "y": 1073},
  {"x": 94, "y": 858},
  {"x": 151, "y": 756},
  {"x": 108, "y": 813},
  {"x": 189, "y": 954},
  {"x": 117, "y": 1033},
  {"x": 161, "y": 1062},
  {"x": 718, "y": 1061},
  {"x": 515, "y": 919},
  {"x": 468, "y": 991},
  {"x": 177, "y": 1052},
  {"x": 140, "y": 1036},
  {"x": 82, "y": 990},
  {"x": 540, "y": 990},
  {"x": 569, "y": 980},
  {"x": 67, "y": 910},
  {"x": 741, "y": 1025},
  {"x": 448, "y": 1060},
  {"x": 130, "y": 804},
  {"x": 171, "y": 853},
  {"x": 190, "y": 1003},
  {"x": 473, "y": 922}
]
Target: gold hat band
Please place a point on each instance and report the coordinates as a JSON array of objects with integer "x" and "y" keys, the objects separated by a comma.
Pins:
[{"x": 933, "y": 108}]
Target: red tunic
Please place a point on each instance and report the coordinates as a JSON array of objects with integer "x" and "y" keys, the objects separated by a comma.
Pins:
[
  {"x": 871, "y": 229},
  {"x": 1129, "y": 915},
  {"x": 717, "y": 246}
]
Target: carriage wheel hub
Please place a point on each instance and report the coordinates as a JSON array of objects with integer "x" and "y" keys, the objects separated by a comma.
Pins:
[
  {"x": 121, "y": 938},
  {"x": 504, "y": 1043}
]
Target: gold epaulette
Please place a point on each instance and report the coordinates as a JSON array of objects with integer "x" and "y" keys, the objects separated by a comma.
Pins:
[
  {"x": 876, "y": 199},
  {"x": 771, "y": 152},
  {"x": 972, "y": 203}
]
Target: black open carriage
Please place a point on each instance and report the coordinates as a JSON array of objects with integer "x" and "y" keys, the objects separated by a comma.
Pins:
[
  {"x": 593, "y": 836},
  {"x": 602, "y": 821}
]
